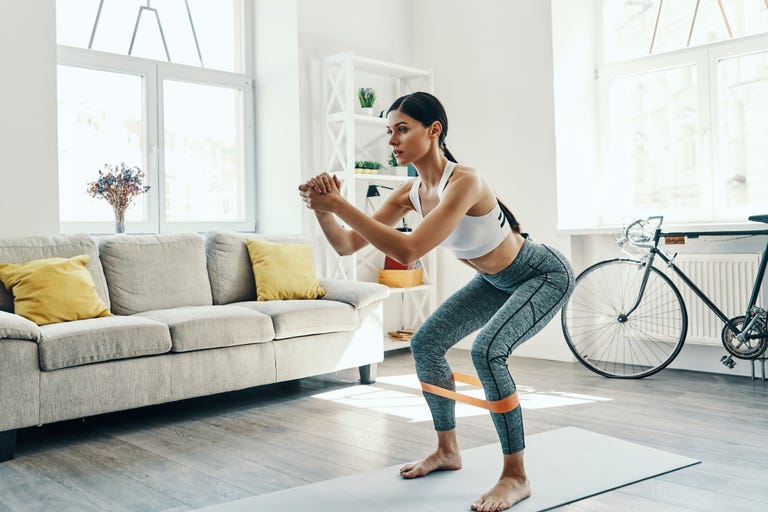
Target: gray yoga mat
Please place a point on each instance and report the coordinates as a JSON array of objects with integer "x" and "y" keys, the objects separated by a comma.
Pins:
[{"x": 564, "y": 465}]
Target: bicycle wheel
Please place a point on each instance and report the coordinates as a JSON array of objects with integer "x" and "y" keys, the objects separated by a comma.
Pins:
[{"x": 608, "y": 342}]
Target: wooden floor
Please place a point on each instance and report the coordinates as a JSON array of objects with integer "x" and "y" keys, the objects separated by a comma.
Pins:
[{"x": 211, "y": 450}]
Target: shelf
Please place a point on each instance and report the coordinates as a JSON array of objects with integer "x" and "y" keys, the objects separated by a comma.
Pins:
[
  {"x": 338, "y": 117},
  {"x": 391, "y": 178},
  {"x": 394, "y": 344},
  {"x": 419, "y": 288},
  {"x": 379, "y": 67},
  {"x": 350, "y": 135}
]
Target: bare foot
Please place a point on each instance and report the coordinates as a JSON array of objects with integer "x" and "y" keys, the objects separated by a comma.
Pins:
[
  {"x": 438, "y": 461},
  {"x": 504, "y": 494}
]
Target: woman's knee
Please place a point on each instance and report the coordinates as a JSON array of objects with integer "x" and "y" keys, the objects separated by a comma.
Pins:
[
  {"x": 484, "y": 354},
  {"x": 422, "y": 346}
]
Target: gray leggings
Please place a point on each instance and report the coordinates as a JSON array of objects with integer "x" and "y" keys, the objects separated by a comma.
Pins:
[{"x": 509, "y": 308}]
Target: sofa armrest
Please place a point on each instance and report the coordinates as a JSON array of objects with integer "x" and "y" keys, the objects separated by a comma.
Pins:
[
  {"x": 17, "y": 327},
  {"x": 356, "y": 293}
]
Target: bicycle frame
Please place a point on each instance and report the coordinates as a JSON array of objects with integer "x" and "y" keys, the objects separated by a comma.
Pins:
[{"x": 654, "y": 250}]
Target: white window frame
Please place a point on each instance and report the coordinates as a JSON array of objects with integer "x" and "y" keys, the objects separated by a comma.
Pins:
[
  {"x": 154, "y": 72},
  {"x": 705, "y": 58}
]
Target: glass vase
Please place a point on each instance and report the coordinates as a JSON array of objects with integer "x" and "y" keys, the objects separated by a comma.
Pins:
[{"x": 119, "y": 221}]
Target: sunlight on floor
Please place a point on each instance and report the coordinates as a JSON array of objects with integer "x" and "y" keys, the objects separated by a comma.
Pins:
[{"x": 411, "y": 404}]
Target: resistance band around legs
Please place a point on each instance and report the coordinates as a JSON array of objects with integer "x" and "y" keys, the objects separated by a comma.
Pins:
[{"x": 507, "y": 404}]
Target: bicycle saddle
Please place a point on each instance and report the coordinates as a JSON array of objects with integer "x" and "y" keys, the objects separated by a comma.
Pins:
[{"x": 759, "y": 218}]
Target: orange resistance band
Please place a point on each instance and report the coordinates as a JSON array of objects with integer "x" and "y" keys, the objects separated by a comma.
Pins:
[{"x": 501, "y": 406}]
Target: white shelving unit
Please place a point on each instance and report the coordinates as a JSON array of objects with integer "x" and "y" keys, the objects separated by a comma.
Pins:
[{"x": 348, "y": 136}]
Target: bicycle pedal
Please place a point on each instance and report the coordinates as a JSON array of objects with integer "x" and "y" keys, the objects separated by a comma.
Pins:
[{"x": 728, "y": 361}]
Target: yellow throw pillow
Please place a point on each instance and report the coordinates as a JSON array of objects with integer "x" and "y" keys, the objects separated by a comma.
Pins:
[
  {"x": 283, "y": 271},
  {"x": 53, "y": 290}
]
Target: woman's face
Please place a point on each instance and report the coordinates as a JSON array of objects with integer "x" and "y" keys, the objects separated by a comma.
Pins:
[{"x": 408, "y": 138}]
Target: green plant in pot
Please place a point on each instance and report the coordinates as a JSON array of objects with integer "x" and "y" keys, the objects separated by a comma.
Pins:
[
  {"x": 367, "y": 97},
  {"x": 367, "y": 167}
]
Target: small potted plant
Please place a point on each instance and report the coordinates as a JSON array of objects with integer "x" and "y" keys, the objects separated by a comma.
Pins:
[
  {"x": 367, "y": 97},
  {"x": 399, "y": 170},
  {"x": 367, "y": 167}
]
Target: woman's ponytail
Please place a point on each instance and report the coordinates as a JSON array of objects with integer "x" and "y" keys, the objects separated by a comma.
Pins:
[
  {"x": 510, "y": 217},
  {"x": 448, "y": 154}
]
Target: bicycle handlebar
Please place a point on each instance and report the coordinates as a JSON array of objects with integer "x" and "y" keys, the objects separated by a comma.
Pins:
[{"x": 637, "y": 235}]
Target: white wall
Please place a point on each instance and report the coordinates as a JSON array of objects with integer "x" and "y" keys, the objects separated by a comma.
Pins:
[
  {"x": 574, "y": 63},
  {"x": 493, "y": 72},
  {"x": 29, "y": 179},
  {"x": 278, "y": 151}
]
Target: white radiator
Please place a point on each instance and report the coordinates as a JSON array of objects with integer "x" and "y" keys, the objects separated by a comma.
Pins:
[{"x": 727, "y": 280}]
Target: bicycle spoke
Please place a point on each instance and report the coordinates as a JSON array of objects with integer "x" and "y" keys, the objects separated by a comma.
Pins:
[
  {"x": 602, "y": 343},
  {"x": 645, "y": 344},
  {"x": 602, "y": 297}
]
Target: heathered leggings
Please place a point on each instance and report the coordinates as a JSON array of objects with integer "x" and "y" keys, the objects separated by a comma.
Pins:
[{"x": 508, "y": 308}]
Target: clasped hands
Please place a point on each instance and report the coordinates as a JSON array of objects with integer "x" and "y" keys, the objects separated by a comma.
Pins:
[{"x": 321, "y": 193}]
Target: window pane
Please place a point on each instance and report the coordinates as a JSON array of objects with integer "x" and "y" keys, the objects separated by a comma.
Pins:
[
  {"x": 628, "y": 24},
  {"x": 216, "y": 25},
  {"x": 653, "y": 153},
  {"x": 204, "y": 153},
  {"x": 742, "y": 182},
  {"x": 100, "y": 121}
]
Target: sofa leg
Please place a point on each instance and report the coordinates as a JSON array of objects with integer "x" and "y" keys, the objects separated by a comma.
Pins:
[
  {"x": 7, "y": 444},
  {"x": 368, "y": 373}
]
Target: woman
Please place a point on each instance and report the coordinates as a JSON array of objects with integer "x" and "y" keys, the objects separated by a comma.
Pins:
[{"x": 518, "y": 288}]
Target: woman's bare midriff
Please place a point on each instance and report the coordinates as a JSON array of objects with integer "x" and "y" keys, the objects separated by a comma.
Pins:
[{"x": 499, "y": 258}]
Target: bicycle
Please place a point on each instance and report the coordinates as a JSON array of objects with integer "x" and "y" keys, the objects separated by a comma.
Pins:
[{"x": 627, "y": 319}]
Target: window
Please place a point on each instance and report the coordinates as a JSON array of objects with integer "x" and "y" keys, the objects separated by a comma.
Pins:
[
  {"x": 742, "y": 106},
  {"x": 204, "y": 143},
  {"x": 683, "y": 110},
  {"x": 630, "y": 26},
  {"x": 100, "y": 116},
  {"x": 654, "y": 121},
  {"x": 165, "y": 86}
]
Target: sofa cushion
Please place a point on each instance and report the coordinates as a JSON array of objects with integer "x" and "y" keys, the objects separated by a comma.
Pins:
[
  {"x": 53, "y": 290},
  {"x": 201, "y": 327},
  {"x": 15, "y": 327},
  {"x": 304, "y": 317},
  {"x": 229, "y": 264},
  {"x": 148, "y": 272},
  {"x": 283, "y": 271},
  {"x": 355, "y": 293},
  {"x": 68, "y": 344},
  {"x": 21, "y": 249}
]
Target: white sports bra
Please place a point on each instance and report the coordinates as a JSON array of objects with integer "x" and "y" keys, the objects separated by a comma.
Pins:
[{"x": 474, "y": 236}]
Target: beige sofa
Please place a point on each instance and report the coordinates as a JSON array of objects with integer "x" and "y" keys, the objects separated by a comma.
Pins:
[{"x": 186, "y": 324}]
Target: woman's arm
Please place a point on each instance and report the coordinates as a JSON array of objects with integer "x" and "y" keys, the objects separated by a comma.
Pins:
[
  {"x": 460, "y": 194},
  {"x": 344, "y": 241}
]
